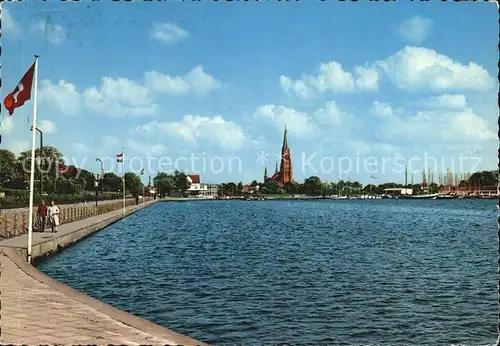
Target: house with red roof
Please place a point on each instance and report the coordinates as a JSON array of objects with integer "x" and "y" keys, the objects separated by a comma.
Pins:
[{"x": 199, "y": 189}]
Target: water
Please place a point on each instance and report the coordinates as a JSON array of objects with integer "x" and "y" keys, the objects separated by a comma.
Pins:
[{"x": 352, "y": 272}]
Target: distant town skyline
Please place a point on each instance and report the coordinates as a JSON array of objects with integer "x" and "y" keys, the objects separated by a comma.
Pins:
[{"x": 364, "y": 80}]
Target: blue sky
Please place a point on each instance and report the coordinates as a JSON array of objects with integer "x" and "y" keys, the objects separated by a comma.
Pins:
[{"x": 353, "y": 82}]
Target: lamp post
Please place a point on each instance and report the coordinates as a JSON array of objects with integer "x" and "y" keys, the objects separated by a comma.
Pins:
[
  {"x": 41, "y": 159},
  {"x": 101, "y": 176}
]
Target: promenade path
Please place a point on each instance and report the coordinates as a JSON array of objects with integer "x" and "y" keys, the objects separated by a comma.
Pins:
[
  {"x": 35, "y": 309},
  {"x": 64, "y": 229}
]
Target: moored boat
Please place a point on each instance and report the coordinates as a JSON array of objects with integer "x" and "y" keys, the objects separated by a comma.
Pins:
[{"x": 427, "y": 196}]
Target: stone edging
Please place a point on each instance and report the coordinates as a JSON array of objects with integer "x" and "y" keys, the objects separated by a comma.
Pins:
[{"x": 121, "y": 316}]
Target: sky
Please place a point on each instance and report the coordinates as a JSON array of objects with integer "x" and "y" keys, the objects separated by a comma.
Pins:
[{"x": 208, "y": 87}]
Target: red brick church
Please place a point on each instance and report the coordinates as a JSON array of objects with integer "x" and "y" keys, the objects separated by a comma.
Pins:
[{"x": 284, "y": 175}]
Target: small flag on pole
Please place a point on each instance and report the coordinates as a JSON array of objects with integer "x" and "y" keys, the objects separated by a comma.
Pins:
[
  {"x": 119, "y": 157},
  {"x": 21, "y": 93}
]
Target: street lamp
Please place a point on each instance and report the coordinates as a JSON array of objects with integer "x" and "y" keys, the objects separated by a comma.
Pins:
[{"x": 41, "y": 159}]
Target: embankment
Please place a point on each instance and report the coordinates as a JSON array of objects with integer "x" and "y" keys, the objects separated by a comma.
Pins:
[{"x": 62, "y": 314}]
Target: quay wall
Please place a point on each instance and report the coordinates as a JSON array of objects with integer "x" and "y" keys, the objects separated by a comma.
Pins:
[
  {"x": 18, "y": 255},
  {"x": 14, "y": 222}
]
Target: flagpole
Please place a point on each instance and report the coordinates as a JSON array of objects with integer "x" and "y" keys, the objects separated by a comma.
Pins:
[
  {"x": 32, "y": 172},
  {"x": 143, "y": 190},
  {"x": 123, "y": 178}
]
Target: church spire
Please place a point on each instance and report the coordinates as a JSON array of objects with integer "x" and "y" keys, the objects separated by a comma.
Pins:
[
  {"x": 285, "y": 139},
  {"x": 265, "y": 174},
  {"x": 276, "y": 170}
]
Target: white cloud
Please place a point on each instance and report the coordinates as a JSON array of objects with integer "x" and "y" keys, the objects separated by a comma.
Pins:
[
  {"x": 415, "y": 30},
  {"x": 472, "y": 126},
  {"x": 450, "y": 127},
  {"x": 52, "y": 33},
  {"x": 6, "y": 125},
  {"x": 81, "y": 148},
  {"x": 411, "y": 69},
  {"x": 330, "y": 114},
  {"x": 200, "y": 81},
  {"x": 9, "y": 24},
  {"x": 120, "y": 97},
  {"x": 383, "y": 109},
  {"x": 299, "y": 124},
  {"x": 168, "y": 32},
  {"x": 374, "y": 148},
  {"x": 415, "y": 68},
  {"x": 332, "y": 77},
  {"x": 17, "y": 146},
  {"x": 158, "y": 149},
  {"x": 195, "y": 80},
  {"x": 144, "y": 148},
  {"x": 110, "y": 141},
  {"x": 446, "y": 101},
  {"x": 164, "y": 83},
  {"x": 367, "y": 78},
  {"x": 124, "y": 97},
  {"x": 47, "y": 126},
  {"x": 193, "y": 128},
  {"x": 299, "y": 87},
  {"x": 62, "y": 95}
]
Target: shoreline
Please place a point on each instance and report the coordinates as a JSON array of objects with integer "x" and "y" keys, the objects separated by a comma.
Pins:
[
  {"x": 111, "y": 325},
  {"x": 314, "y": 198}
]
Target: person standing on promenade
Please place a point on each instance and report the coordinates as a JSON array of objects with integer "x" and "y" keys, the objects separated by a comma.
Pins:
[
  {"x": 42, "y": 215},
  {"x": 54, "y": 216}
]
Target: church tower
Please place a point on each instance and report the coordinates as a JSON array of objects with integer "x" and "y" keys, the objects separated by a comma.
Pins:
[
  {"x": 285, "y": 174},
  {"x": 286, "y": 161},
  {"x": 265, "y": 174}
]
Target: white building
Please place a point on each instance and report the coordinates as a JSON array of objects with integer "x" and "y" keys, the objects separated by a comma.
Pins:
[{"x": 199, "y": 189}]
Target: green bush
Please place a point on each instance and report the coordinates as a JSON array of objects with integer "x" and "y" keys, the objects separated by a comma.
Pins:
[{"x": 20, "y": 198}]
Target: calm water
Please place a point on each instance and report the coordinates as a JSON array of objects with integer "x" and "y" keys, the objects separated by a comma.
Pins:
[{"x": 365, "y": 272}]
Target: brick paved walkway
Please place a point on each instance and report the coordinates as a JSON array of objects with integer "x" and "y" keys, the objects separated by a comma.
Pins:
[{"x": 36, "y": 309}]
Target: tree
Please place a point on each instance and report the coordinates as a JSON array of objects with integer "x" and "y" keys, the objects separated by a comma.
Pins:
[
  {"x": 433, "y": 188},
  {"x": 300, "y": 188},
  {"x": 272, "y": 187},
  {"x": 72, "y": 186},
  {"x": 239, "y": 188},
  {"x": 356, "y": 184},
  {"x": 7, "y": 166},
  {"x": 371, "y": 189},
  {"x": 312, "y": 186},
  {"x": 230, "y": 189},
  {"x": 326, "y": 189},
  {"x": 181, "y": 181},
  {"x": 111, "y": 182},
  {"x": 484, "y": 178},
  {"x": 48, "y": 161},
  {"x": 88, "y": 178},
  {"x": 290, "y": 187},
  {"x": 221, "y": 189},
  {"x": 133, "y": 184},
  {"x": 165, "y": 183}
]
